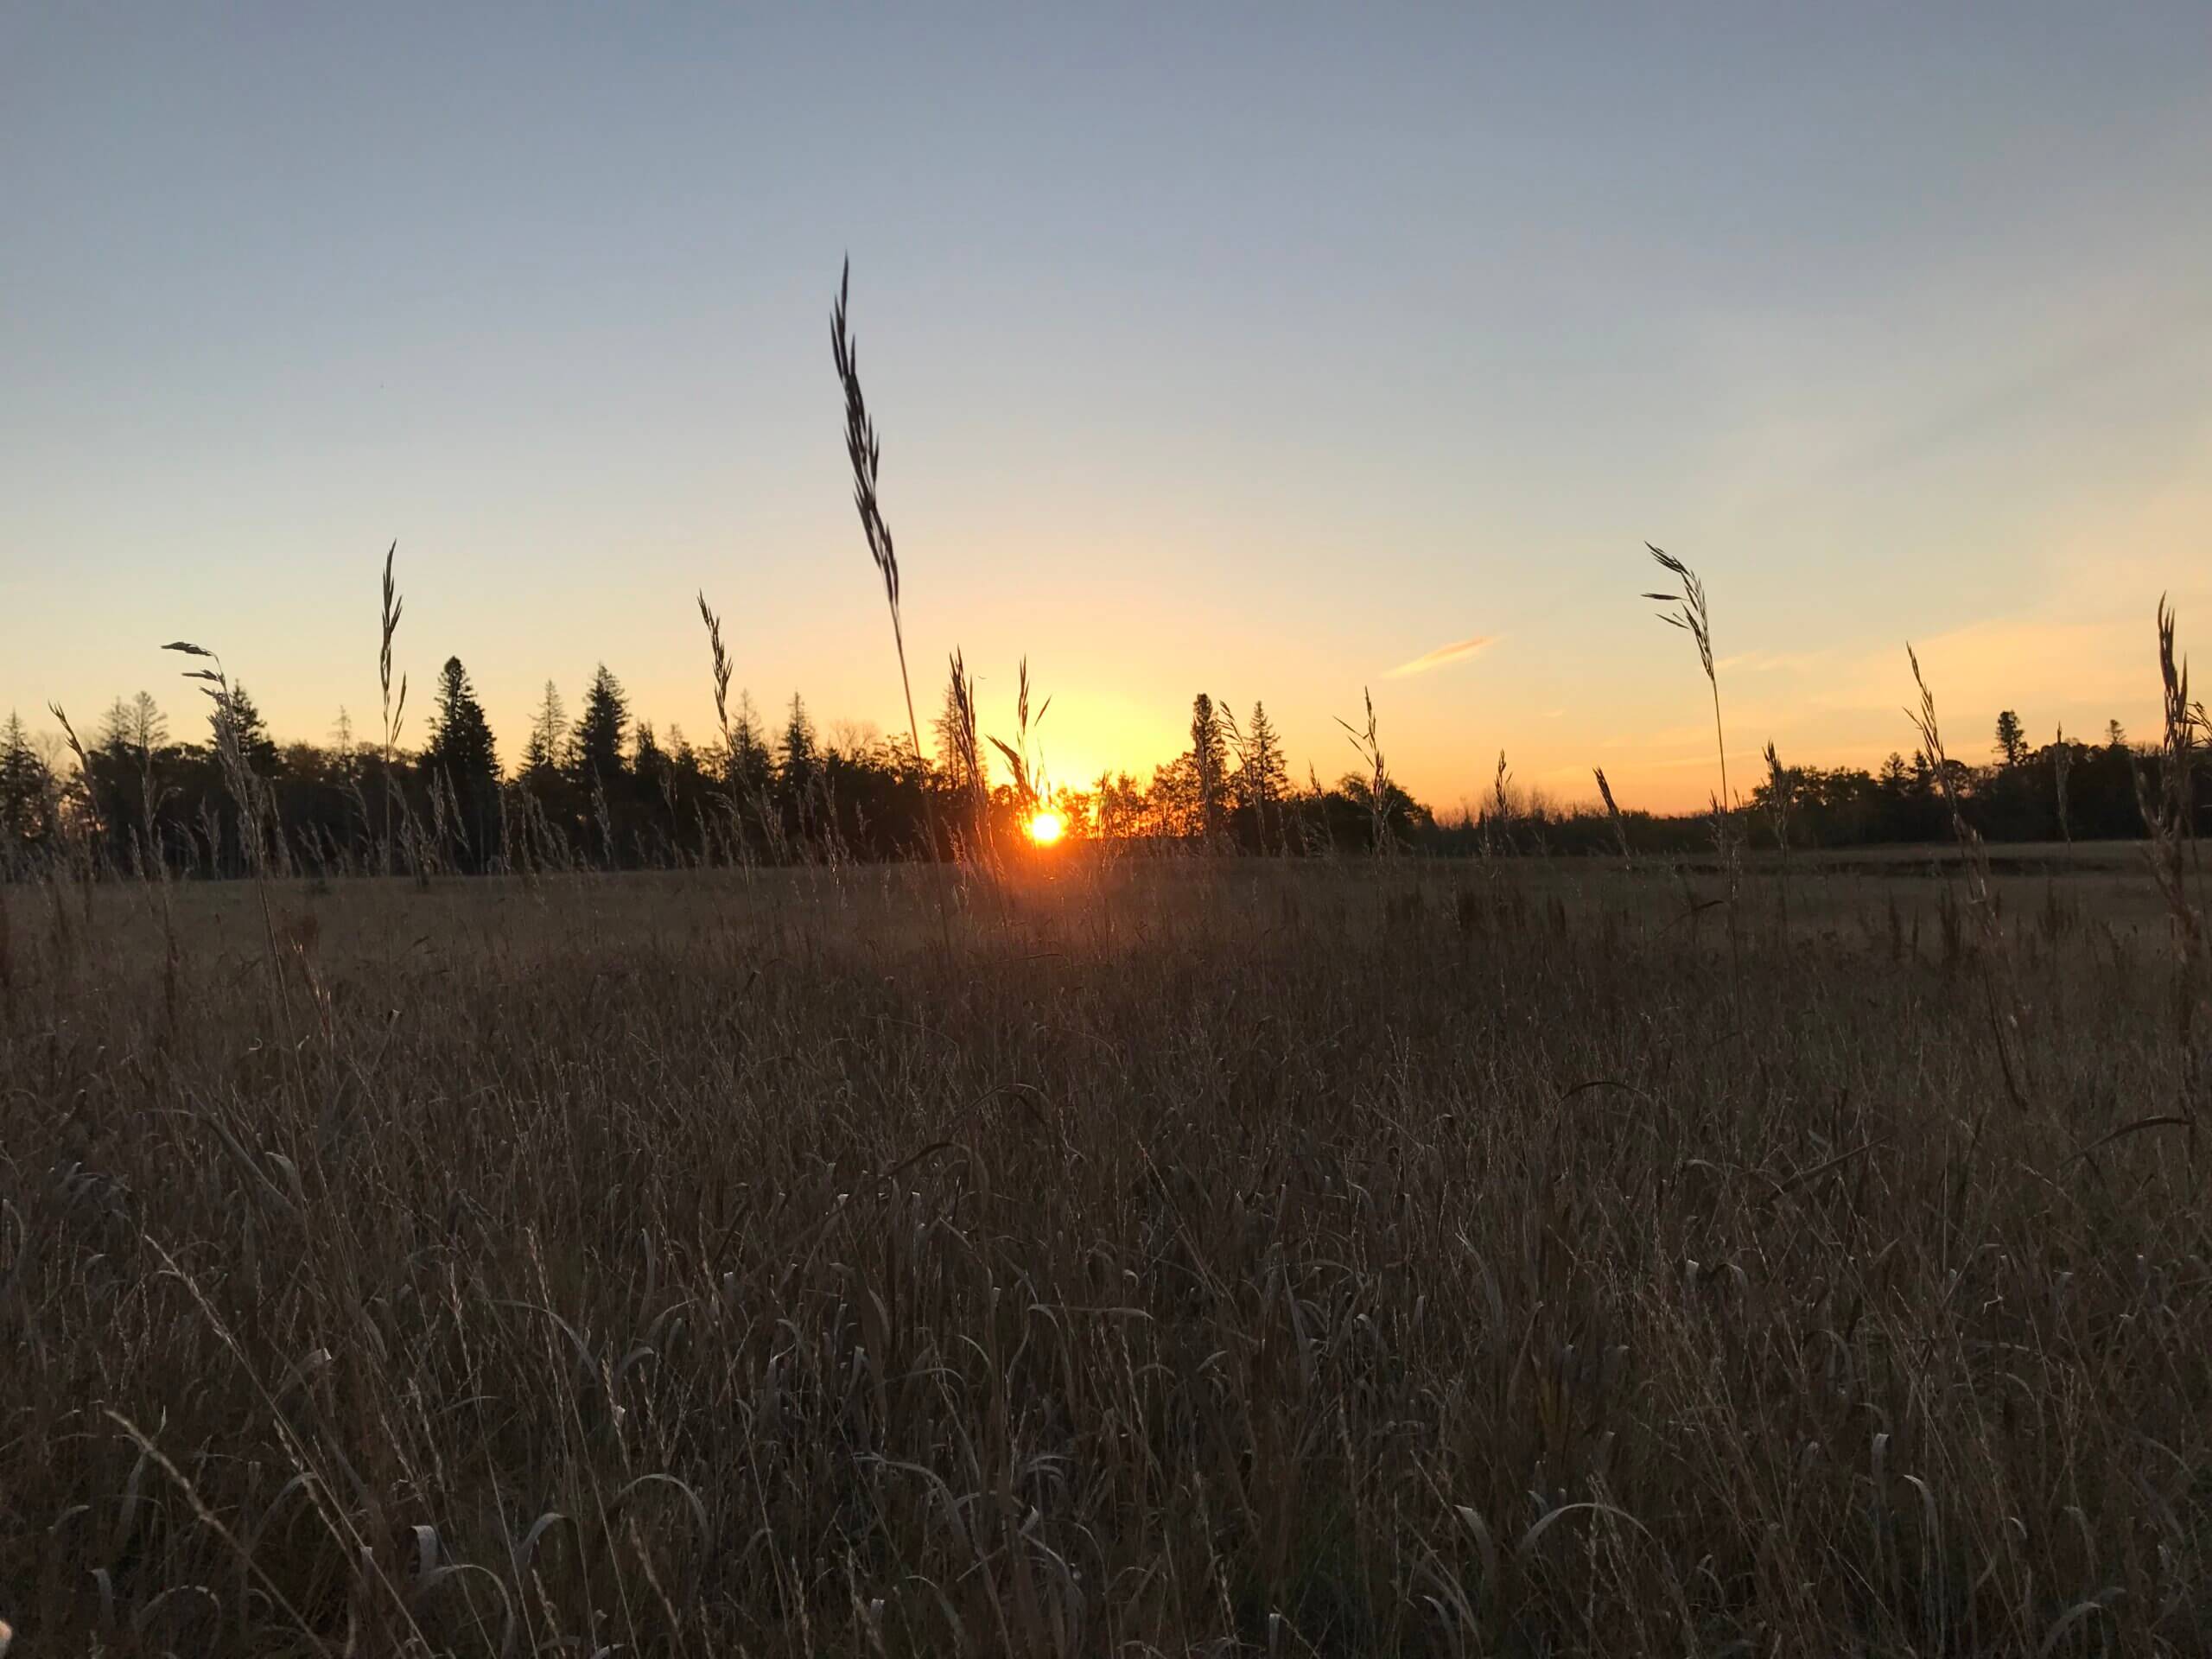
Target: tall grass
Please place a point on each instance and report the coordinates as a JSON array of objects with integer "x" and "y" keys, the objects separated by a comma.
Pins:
[
  {"x": 1176, "y": 1258},
  {"x": 395, "y": 710},
  {"x": 864, "y": 450},
  {"x": 1691, "y": 613}
]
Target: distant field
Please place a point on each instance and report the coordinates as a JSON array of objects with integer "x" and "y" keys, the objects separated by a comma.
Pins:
[
  {"x": 2035, "y": 857},
  {"x": 1521, "y": 1257}
]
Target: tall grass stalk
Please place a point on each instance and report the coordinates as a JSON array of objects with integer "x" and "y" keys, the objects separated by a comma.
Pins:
[
  {"x": 1613, "y": 812},
  {"x": 1367, "y": 744},
  {"x": 395, "y": 711},
  {"x": 1693, "y": 616},
  {"x": 720, "y": 668},
  {"x": 865, "y": 451},
  {"x": 1779, "y": 786},
  {"x": 1996, "y": 970},
  {"x": 2169, "y": 808}
]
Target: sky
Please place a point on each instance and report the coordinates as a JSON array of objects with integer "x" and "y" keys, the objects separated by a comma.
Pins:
[{"x": 1280, "y": 352}]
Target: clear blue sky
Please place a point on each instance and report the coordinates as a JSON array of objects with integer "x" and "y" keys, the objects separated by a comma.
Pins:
[{"x": 1255, "y": 350}]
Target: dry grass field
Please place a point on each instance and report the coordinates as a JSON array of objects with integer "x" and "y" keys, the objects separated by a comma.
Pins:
[{"x": 1153, "y": 1258}]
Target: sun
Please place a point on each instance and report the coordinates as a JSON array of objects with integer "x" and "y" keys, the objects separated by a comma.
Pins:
[{"x": 1047, "y": 827}]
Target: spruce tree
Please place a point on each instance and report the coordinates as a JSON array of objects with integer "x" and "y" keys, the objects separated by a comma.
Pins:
[
  {"x": 1209, "y": 759},
  {"x": 463, "y": 760},
  {"x": 1263, "y": 781},
  {"x": 541, "y": 754},
  {"x": 750, "y": 762},
  {"x": 595, "y": 749},
  {"x": 26, "y": 786},
  {"x": 460, "y": 743},
  {"x": 255, "y": 745},
  {"x": 802, "y": 752}
]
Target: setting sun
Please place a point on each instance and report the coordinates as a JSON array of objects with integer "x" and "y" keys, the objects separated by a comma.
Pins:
[{"x": 1047, "y": 827}]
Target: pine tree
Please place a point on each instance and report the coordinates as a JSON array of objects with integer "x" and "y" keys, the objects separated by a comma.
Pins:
[
  {"x": 26, "y": 787},
  {"x": 463, "y": 760},
  {"x": 595, "y": 749},
  {"x": 647, "y": 757},
  {"x": 1209, "y": 758},
  {"x": 461, "y": 744},
  {"x": 750, "y": 762},
  {"x": 2012, "y": 744},
  {"x": 1262, "y": 782},
  {"x": 802, "y": 752},
  {"x": 541, "y": 754},
  {"x": 255, "y": 746}
]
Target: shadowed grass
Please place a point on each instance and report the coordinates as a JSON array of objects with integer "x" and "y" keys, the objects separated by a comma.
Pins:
[{"x": 1331, "y": 1258}]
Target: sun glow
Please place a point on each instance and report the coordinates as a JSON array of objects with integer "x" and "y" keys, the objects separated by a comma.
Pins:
[{"x": 1047, "y": 827}]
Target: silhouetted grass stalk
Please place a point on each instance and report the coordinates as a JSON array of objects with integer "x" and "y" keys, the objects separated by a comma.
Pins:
[
  {"x": 2003, "y": 1003},
  {"x": 2167, "y": 814},
  {"x": 864, "y": 450},
  {"x": 394, "y": 713},
  {"x": 1367, "y": 743}
]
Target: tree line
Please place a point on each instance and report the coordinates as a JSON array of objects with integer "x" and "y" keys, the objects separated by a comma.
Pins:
[{"x": 606, "y": 790}]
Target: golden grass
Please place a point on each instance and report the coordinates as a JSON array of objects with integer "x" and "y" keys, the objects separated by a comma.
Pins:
[{"x": 1199, "y": 1257}]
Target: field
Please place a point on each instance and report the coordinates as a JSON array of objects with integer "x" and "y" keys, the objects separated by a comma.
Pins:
[{"x": 1364, "y": 1257}]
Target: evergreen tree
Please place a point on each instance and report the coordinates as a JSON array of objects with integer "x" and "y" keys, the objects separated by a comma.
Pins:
[
  {"x": 1262, "y": 782},
  {"x": 463, "y": 759},
  {"x": 750, "y": 763},
  {"x": 460, "y": 743},
  {"x": 802, "y": 752},
  {"x": 26, "y": 787},
  {"x": 595, "y": 749},
  {"x": 2012, "y": 744},
  {"x": 647, "y": 759},
  {"x": 1209, "y": 758},
  {"x": 237, "y": 708},
  {"x": 541, "y": 754}
]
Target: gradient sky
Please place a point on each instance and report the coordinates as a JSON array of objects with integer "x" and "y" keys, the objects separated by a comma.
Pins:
[{"x": 1257, "y": 350}]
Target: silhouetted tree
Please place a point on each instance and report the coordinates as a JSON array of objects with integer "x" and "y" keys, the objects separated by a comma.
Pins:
[
  {"x": 751, "y": 763},
  {"x": 1209, "y": 764},
  {"x": 541, "y": 753},
  {"x": 952, "y": 731},
  {"x": 1262, "y": 782},
  {"x": 123, "y": 777},
  {"x": 26, "y": 789},
  {"x": 256, "y": 747},
  {"x": 595, "y": 747},
  {"x": 2011, "y": 739},
  {"x": 461, "y": 742},
  {"x": 462, "y": 757},
  {"x": 801, "y": 755},
  {"x": 136, "y": 727}
]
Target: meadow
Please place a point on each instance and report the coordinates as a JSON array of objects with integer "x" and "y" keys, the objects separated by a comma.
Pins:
[{"x": 1096, "y": 1256}]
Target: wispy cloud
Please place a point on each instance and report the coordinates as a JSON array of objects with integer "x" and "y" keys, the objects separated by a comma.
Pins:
[{"x": 1441, "y": 655}]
